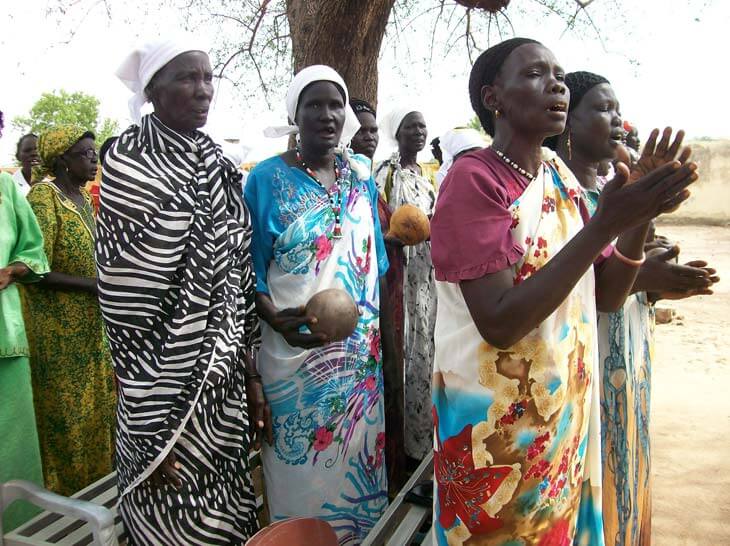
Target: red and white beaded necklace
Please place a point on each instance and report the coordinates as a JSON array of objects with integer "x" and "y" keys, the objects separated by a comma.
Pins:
[{"x": 333, "y": 194}]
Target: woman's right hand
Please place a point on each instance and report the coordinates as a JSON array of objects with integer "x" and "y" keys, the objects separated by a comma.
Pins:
[
  {"x": 288, "y": 323},
  {"x": 167, "y": 473},
  {"x": 623, "y": 206},
  {"x": 393, "y": 241},
  {"x": 660, "y": 274}
]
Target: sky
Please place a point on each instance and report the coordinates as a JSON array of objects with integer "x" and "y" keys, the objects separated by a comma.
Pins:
[{"x": 664, "y": 59}]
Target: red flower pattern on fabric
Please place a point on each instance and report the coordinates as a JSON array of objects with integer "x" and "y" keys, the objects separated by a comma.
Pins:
[
  {"x": 539, "y": 470},
  {"x": 515, "y": 411},
  {"x": 462, "y": 489},
  {"x": 558, "y": 535},
  {"x": 537, "y": 446},
  {"x": 371, "y": 382},
  {"x": 323, "y": 248},
  {"x": 525, "y": 271},
  {"x": 322, "y": 438},
  {"x": 375, "y": 344}
]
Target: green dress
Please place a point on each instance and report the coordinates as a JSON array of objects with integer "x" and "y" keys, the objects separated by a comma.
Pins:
[
  {"x": 20, "y": 241},
  {"x": 70, "y": 361}
]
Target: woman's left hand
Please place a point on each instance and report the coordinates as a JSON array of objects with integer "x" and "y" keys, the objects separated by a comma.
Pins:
[
  {"x": 655, "y": 155},
  {"x": 259, "y": 411}
]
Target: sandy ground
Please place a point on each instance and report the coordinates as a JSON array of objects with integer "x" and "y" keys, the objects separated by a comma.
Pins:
[{"x": 691, "y": 404}]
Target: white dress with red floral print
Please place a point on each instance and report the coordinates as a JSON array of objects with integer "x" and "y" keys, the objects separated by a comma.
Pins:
[{"x": 517, "y": 456}]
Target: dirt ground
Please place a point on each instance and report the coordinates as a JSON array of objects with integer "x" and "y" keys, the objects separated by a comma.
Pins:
[{"x": 691, "y": 404}]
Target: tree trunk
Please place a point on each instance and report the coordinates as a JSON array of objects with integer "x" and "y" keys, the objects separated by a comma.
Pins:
[{"x": 344, "y": 34}]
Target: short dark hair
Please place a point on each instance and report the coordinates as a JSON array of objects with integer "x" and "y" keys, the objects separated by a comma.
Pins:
[{"x": 485, "y": 71}]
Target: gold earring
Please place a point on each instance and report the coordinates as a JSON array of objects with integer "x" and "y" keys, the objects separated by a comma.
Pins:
[{"x": 497, "y": 114}]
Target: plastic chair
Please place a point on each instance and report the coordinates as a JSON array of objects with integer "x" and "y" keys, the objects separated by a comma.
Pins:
[{"x": 295, "y": 532}]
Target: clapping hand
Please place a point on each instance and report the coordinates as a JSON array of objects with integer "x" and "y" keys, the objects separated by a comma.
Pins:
[
  {"x": 664, "y": 279},
  {"x": 655, "y": 155}
]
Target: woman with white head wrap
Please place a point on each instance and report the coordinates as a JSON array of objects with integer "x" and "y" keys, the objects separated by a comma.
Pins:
[
  {"x": 455, "y": 143},
  {"x": 316, "y": 227},
  {"x": 176, "y": 289},
  {"x": 401, "y": 180}
]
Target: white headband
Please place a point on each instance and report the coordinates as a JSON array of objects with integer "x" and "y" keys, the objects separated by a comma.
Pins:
[
  {"x": 305, "y": 77},
  {"x": 145, "y": 61}
]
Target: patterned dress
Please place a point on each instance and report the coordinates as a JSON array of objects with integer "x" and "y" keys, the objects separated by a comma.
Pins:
[
  {"x": 625, "y": 348},
  {"x": 327, "y": 459},
  {"x": 21, "y": 241},
  {"x": 73, "y": 380},
  {"x": 176, "y": 287},
  {"x": 400, "y": 186},
  {"x": 517, "y": 456}
]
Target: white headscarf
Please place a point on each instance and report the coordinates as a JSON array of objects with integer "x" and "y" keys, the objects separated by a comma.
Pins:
[
  {"x": 392, "y": 121},
  {"x": 454, "y": 142},
  {"x": 306, "y": 76},
  {"x": 145, "y": 61}
]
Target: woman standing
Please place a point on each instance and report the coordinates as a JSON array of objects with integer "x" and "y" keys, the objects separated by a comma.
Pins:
[
  {"x": 73, "y": 382},
  {"x": 21, "y": 260},
  {"x": 316, "y": 227},
  {"x": 592, "y": 135},
  {"x": 26, "y": 153},
  {"x": 176, "y": 287},
  {"x": 365, "y": 142},
  {"x": 403, "y": 180},
  {"x": 515, "y": 401}
]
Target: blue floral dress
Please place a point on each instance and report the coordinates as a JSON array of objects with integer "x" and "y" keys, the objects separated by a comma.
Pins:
[{"x": 327, "y": 458}]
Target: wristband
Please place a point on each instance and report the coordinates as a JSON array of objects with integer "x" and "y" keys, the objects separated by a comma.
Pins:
[{"x": 629, "y": 261}]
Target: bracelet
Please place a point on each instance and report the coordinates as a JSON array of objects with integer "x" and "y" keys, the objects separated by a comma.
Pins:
[
  {"x": 629, "y": 261},
  {"x": 252, "y": 375}
]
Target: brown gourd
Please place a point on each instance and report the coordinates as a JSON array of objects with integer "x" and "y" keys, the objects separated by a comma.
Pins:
[
  {"x": 410, "y": 225},
  {"x": 336, "y": 314}
]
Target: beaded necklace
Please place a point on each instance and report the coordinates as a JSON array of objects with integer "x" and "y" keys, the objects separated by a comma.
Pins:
[
  {"x": 514, "y": 165},
  {"x": 333, "y": 194}
]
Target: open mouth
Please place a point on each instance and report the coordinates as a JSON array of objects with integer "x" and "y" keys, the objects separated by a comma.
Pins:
[
  {"x": 559, "y": 107},
  {"x": 617, "y": 137}
]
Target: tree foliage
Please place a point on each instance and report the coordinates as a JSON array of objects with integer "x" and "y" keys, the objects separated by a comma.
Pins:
[{"x": 62, "y": 107}]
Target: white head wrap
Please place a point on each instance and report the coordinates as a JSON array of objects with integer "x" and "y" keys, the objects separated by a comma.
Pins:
[
  {"x": 392, "y": 121},
  {"x": 145, "y": 61},
  {"x": 306, "y": 76},
  {"x": 454, "y": 142}
]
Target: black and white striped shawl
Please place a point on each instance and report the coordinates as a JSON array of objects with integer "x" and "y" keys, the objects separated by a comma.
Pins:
[{"x": 176, "y": 284}]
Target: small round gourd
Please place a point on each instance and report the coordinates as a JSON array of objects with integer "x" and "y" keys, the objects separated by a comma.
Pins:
[
  {"x": 410, "y": 225},
  {"x": 336, "y": 314}
]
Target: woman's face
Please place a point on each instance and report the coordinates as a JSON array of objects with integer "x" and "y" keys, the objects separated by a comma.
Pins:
[
  {"x": 182, "y": 91},
  {"x": 530, "y": 93},
  {"x": 365, "y": 140},
  {"x": 412, "y": 133},
  {"x": 81, "y": 160},
  {"x": 595, "y": 125},
  {"x": 28, "y": 152},
  {"x": 320, "y": 116}
]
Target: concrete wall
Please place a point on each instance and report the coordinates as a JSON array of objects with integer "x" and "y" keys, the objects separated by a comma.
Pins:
[{"x": 710, "y": 199}]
